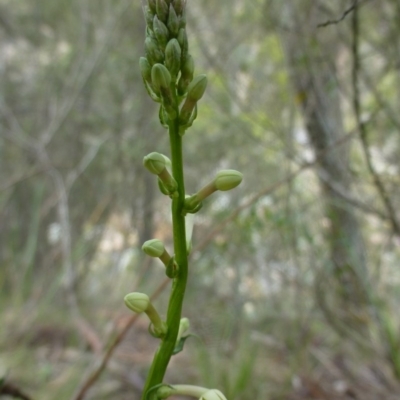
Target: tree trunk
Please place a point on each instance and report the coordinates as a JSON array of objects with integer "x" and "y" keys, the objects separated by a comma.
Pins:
[{"x": 311, "y": 54}]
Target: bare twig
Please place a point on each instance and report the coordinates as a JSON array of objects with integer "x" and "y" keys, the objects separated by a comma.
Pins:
[
  {"x": 348, "y": 198},
  {"x": 344, "y": 15}
]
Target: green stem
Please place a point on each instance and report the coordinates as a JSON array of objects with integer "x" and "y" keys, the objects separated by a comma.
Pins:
[{"x": 164, "y": 352}]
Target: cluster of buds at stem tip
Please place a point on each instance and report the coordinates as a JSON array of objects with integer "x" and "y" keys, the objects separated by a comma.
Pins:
[
  {"x": 167, "y": 68},
  {"x": 157, "y": 164},
  {"x": 155, "y": 248},
  {"x": 140, "y": 302},
  {"x": 224, "y": 180},
  {"x": 201, "y": 393}
]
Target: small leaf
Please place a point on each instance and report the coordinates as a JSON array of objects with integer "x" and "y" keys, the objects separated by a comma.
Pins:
[{"x": 179, "y": 346}]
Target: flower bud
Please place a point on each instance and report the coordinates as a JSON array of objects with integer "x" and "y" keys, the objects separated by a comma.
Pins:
[
  {"x": 153, "y": 248},
  {"x": 197, "y": 88},
  {"x": 187, "y": 70},
  {"x": 186, "y": 111},
  {"x": 183, "y": 42},
  {"x": 182, "y": 19},
  {"x": 154, "y": 162},
  {"x": 137, "y": 302},
  {"x": 184, "y": 326},
  {"x": 227, "y": 179},
  {"x": 145, "y": 69},
  {"x": 173, "y": 22},
  {"x": 160, "y": 31},
  {"x": 179, "y": 5},
  {"x": 140, "y": 302},
  {"x": 213, "y": 394},
  {"x": 148, "y": 14},
  {"x": 153, "y": 53},
  {"x": 162, "y": 10},
  {"x": 160, "y": 77},
  {"x": 173, "y": 57}
]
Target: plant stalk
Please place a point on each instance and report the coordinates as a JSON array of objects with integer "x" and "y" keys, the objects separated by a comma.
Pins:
[{"x": 167, "y": 345}]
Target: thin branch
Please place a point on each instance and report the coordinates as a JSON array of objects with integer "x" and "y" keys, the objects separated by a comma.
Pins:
[
  {"x": 343, "y": 193},
  {"x": 344, "y": 15},
  {"x": 362, "y": 128},
  {"x": 20, "y": 178}
]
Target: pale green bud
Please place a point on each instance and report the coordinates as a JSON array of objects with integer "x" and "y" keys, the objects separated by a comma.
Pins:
[
  {"x": 213, "y": 394},
  {"x": 227, "y": 179},
  {"x": 162, "y": 10},
  {"x": 182, "y": 19},
  {"x": 184, "y": 326},
  {"x": 173, "y": 57},
  {"x": 154, "y": 162},
  {"x": 145, "y": 69},
  {"x": 195, "y": 92},
  {"x": 148, "y": 14},
  {"x": 183, "y": 42},
  {"x": 179, "y": 5},
  {"x": 197, "y": 88},
  {"x": 153, "y": 53},
  {"x": 160, "y": 77},
  {"x": 187, "y": 70},
  {"x": 224, "y": 180},
  {"x": 137, "y": 302},
  {"x": 160, "y": 31},
  {"x": 186, "y": 111},
  {"x": 173, "y": 22},
  {"x": 154, "y": 248},
  {"x": 167, "y": 161}
]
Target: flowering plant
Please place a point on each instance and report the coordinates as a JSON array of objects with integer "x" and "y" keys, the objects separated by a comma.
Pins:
[{"x": 168, "y": 75}]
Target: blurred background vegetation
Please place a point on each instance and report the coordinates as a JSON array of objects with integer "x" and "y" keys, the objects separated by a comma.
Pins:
[{"x": 294, "y": 280}]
